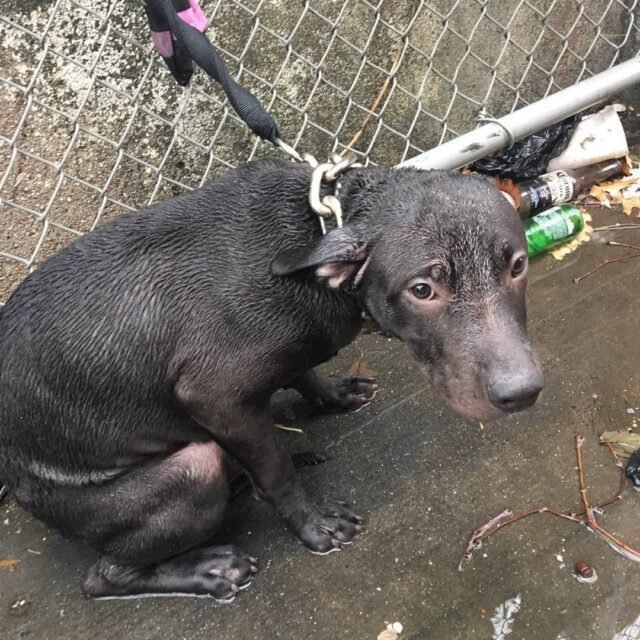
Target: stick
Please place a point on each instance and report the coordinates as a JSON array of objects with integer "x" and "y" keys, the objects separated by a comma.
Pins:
[
  {"x": 583, "y": 490},
  {"x": 590, "y": 521},
  {"x": 605, "y": 263},
  {"x": 476, "y": 537},
  {"x": 385, "y": 86},
  {"x": 586, "y": 517},
  {"x": 623, "y": 478},
  {"x": 613, "y": 243},
  {"x": 616, "y": 227}
]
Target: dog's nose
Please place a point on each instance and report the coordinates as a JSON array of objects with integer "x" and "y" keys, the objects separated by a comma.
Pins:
[{"x": 515, "y": 393}]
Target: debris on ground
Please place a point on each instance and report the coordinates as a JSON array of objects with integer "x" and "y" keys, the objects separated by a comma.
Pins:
[
  {"x": 551, "y": 228},
  {"x": 573, "y": 156},
  {"x": 569, "y": 247},
  {"x": 585, "y": 517},
  {"x": 308, "y": 458},
  {"x": 392, "y": 632},
  {"x": 599, "y": 136},
  {"x": 632, "y": 632},
  {"x": 607, "y": 261},
  {"x": 622, "y": 441},
  {"x": 19, "y": 607},
  {"x": 9, "y": 563},
  {"x": 584, "y": 573},
  {"x": 557, "y": 187},
  {"x": 633, "y": 469},
  {"x": 529, "y": 158},
  {"x": 502, "y": 619},
  {"x": 361, "y": 368},
  {"x": 622, "y": 192},
  {"x": 284, "y": 427}
]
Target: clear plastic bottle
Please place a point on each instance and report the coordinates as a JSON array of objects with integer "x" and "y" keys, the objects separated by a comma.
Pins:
[{"x": 551, "y": 228}]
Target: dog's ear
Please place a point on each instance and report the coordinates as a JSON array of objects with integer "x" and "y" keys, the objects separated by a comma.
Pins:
[{"x": 338, "y": 257}]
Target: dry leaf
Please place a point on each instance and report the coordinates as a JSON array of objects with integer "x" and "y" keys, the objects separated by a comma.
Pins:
[
  {"x": 622, "y": 442},
  {"x": 361, "y": 368},
  {"x": 623, "y": 191},
  {"x": 9, "y": 563}
]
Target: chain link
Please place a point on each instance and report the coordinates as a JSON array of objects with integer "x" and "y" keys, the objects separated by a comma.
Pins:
[
  {"x": 328, "y": 172},
  {"x": 92, "y": 124}
]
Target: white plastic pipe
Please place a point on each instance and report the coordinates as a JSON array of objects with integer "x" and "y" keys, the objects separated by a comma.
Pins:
[{"x": 492, "y": 136}]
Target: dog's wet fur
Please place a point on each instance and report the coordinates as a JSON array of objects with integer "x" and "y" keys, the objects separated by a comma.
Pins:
[{"x": 140, "y": 359}]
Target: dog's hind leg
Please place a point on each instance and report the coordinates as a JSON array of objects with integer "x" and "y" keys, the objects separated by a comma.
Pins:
[{"x": 147, "y": 522}]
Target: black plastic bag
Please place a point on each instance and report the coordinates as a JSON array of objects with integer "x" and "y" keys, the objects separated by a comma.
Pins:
[
  {"x": 529, "y": 157},
  {"x": 633, "y": 468}
]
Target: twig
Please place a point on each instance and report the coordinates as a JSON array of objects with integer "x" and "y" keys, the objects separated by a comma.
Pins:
[
  {"x": 477, "y": 535},
  {"x": 586, "y": 517},
  {"x": 616, "y": 227},
  {"x": 491, "y": 527},
  {"x": 623, "y": 478},
  {"x": 383, "y": 89},
  {"x": 583, "y": 490},
  {"x": 605, "y": 263},
  {"x": 623, "y": 244},
  {"x": 282, "y": 427},
  {"x": 590, "y": 521}
]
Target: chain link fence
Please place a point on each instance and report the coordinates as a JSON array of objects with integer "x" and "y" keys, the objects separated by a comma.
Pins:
[{"x": 92, "y": 124}]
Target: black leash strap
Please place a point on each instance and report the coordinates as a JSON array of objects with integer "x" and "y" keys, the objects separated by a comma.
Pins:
[{"x": 190, "y": 44}]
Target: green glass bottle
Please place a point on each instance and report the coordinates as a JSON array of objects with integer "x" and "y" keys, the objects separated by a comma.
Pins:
[{"x": 551, "y": 228}]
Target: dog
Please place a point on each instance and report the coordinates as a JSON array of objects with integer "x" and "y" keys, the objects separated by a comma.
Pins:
[{"x": 142, "y": 358}]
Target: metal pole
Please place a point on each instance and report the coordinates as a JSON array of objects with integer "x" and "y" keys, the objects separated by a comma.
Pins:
[{"x": 498, "y": 134}]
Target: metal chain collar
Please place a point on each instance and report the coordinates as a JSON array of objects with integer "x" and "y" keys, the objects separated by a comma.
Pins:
[{"x": 326, "y": 206}]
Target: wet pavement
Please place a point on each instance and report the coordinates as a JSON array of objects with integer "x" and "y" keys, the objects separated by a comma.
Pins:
[{"x": 424, "y": 478}]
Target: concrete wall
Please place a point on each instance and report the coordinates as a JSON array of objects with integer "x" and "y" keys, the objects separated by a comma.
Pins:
[{"x": 91, "y": 123}]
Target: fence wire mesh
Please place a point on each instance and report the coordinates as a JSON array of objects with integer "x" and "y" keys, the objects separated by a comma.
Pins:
[{"x": 92, "y": 124}]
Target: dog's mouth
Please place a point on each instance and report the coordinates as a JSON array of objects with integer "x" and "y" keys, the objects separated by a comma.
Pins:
[{"x": 469, "y": 398}]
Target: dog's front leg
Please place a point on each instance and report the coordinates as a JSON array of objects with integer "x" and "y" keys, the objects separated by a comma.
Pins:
[
  {"x": 245, "y": 430},
  {"x": 342, "y": 392}
]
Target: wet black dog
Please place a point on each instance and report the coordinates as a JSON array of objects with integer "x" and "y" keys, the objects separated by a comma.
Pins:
[{"x": 137, "y": 359}]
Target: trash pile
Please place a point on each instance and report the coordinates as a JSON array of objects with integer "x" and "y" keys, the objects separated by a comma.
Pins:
[{"x": 554, "y": 174}]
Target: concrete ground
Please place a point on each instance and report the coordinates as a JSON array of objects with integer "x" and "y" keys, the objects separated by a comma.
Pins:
[{"x": 424, "y": 478}]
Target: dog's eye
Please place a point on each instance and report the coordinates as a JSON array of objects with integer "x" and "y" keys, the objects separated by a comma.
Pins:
[
  {"x": 423, "y": 291},
  {"x": 518, "y": 266}
]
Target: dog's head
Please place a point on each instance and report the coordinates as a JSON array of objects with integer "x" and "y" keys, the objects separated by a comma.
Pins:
[{"x": 439, "y": 260}]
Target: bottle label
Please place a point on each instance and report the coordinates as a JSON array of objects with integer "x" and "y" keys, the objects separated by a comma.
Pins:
[
  {"x": 550, "y": 189},
  {"x": 555, "y": 225},
  {"x": 560, "y": 185}
]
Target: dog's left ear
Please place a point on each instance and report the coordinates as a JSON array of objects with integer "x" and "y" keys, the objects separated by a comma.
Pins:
[{"x": 339, "y": 257}]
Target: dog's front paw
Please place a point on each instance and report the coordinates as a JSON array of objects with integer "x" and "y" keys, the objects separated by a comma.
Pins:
[
  {"x": 347, "y": 392},
  {"x": 327, "y": 527}
]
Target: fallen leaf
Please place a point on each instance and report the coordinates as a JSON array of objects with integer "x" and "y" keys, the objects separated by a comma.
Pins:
[
  {"x": 361, "y": 368},
  {"x": 9, "y": 563},
  {"x": 622, "y": 442},
  {"x": 623, "y": 191}
]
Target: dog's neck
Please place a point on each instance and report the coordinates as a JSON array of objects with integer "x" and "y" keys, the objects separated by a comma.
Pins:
[{"x": 358, "y": 196}]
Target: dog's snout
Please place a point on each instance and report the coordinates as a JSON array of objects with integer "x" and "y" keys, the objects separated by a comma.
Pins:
[{"x": 515, "y": 393}]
